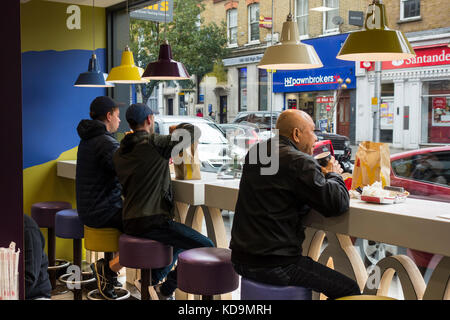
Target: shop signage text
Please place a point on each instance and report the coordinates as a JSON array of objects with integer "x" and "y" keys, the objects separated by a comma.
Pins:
[
  {"x": 308, "y": 81},
  {"x": 328, "y": 99},
  {"x": 242, "y": 60},
  {"x": 162, "y": 11},
  {"x": 424, "y": 57}
]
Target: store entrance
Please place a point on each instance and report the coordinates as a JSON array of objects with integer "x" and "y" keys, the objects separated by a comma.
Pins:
[
  {"x": 343, "y": 115},
  {"x": 223, "y": 109}
]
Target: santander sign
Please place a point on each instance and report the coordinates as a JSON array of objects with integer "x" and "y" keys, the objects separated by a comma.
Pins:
[{"x": 425, "y": 57}]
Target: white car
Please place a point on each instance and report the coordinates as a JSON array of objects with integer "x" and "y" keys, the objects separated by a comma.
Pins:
[{"x": 214, "y": 148}]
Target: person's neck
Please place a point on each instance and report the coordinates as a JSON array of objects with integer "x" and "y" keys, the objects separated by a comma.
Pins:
[{"x": 142, "y": 129}]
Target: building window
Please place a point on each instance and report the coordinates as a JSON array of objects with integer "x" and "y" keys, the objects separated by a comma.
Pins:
[
  {"x": 409, "y": 9},
  {"x": 253, "y": 22},
  {"x": 262, "y": 88},
  {"x": 435, "y": 115},
  {"x": 328, "y": 25},
  {"x": 302, "y": 17},
  {"x": 232, "y": 26},
  {"x": 242, "y": 89}
]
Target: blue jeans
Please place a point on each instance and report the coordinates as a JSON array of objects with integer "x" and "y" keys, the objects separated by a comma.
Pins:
[
  {"x": 181, "y": 238},
  {"x": 304, "y": 273}
]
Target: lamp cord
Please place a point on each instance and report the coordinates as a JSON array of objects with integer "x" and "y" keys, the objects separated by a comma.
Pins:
[{"x": 93, "y": 25}]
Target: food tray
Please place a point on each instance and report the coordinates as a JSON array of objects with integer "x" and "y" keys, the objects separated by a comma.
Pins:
[{"x": 394, "y": 197}]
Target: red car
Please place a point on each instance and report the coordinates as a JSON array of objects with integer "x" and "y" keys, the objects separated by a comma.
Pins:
[{"x": 424, "y": 173}]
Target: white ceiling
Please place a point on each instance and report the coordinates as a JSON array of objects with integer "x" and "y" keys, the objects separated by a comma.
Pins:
[{"x": 98, "y": 3}]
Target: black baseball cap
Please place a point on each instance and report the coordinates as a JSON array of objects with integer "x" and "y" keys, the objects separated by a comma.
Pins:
[
  {"x": 138, "y": 112},
  {"x": 101, "y": 105}
]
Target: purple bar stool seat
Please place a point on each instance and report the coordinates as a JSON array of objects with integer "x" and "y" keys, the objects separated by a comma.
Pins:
[
  {"x": 206, "y": 272},
  {"x": 69, "y": 226},
  {"x": 44, "y": 214},
  {"x": 144, "y": 254},
  {"x": 252, "y": 290}
]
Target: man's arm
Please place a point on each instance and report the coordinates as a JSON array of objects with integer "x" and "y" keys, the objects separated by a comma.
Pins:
[
  {"x": 326, "y": 194},
  {"x": 106, "y": 149},
  {"x": 33, "y": 256},
  {"x": 166, "y": 143}
]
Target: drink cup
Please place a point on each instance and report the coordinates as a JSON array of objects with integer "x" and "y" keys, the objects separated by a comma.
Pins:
[{"x": 323, "y": 158}]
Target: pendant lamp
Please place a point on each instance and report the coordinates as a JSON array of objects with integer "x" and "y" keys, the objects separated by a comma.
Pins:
[
  {"x": 165, "y": 68},
  {"x": 290, "y": 53},
  {"x": 127, "y": 72},
  {"x": 93, "y": 77},
  {"x": 376, "y": 42}
]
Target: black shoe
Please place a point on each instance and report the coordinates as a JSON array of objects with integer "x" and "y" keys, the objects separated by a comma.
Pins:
[{"x": 104, "y": 278}]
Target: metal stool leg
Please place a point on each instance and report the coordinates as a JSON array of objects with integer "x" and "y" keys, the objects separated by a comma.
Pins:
[
  {"x": 77, "y": 256},
  {"x": 51, "y": 255},
  {"x": 145, "y": 283}
]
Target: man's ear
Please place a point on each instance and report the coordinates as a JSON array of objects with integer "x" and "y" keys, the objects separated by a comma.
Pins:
[
  {"x": 296, "y": 134},
  {"x": 109, "y": 116}
]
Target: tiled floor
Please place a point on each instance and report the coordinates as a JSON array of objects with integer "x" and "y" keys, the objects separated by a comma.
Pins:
[{"x": 395, "y": 290}]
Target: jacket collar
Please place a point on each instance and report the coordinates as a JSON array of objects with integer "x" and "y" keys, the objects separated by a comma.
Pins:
[{"x": 286, "y": 141}]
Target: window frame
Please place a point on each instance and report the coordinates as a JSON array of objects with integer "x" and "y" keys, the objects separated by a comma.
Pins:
[
  {"x": 402, "y": 12},
  {"x": 249, "y": 23},
  {"x": 261, "y": 86},
  {"x": 228, "y": 13},
  {"x": 326, "y": 31},
  {"x": 297, "y": 16},
  {"x": 240, "y": 89}
]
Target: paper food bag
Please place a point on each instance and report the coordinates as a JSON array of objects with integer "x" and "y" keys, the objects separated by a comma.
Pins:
[
  {"x": 189, "y": 168},
  {"x": 372, "y": 163}
]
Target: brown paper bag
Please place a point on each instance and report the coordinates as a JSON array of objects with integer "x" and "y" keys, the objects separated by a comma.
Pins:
[
  {"x": 189, "y": 169},
  {"x": 372, "y": 163}
]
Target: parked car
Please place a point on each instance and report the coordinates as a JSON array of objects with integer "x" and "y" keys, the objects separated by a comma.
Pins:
[
  {"x": 213, "y": 148},
  {"x": 424, "y": 173},
  {"x": 259, "y": 118},
  {"x": 242, "y": 135}
]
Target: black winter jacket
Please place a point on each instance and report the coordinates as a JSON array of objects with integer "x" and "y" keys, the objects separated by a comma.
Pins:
[
  {"x": 37, "y": 283},
  {"x": 98, "y": 190},
  {"x": 267, "y": 228}
]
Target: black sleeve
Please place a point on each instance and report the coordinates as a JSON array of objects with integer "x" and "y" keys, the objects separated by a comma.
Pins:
[
  {"x": 33, "y": 257},
  {"x": 328, "y": 195},
  {"x": 166, "y": 143},
  {"x": 105, "y": 149}
]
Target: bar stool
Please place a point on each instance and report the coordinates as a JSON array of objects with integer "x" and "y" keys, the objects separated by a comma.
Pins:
[
  {"x": 206, "y": 272},
  {"x": 69, "y": 226},
  {"x": 44, "y": 215},
  {"x": 144, "y": 254},
  {"x": 103, "y": 240},
  {"x": 252, "y": 290}
]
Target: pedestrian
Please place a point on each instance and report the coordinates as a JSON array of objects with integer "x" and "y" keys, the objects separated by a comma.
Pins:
[
  {"x": 98, "y": 190},
  {"x": 142, "y": 165},
  {"x": 267, "y": 231}
]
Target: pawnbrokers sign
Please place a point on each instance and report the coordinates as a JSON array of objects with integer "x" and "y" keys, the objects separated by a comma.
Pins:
[
  {"x": 313, "y": 80},
  {"x": 159, "y": 12}
]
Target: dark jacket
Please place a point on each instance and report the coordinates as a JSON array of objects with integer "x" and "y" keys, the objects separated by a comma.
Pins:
[
  {"x": 142, "y": 165},
  {"x": 267, "y": 228},
  {"x": 98, "y": 190},
  {"x": 37, "y": 283}
]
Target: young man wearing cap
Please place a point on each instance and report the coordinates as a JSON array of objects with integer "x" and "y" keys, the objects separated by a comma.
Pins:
[
  {"x": 98, "y": 191},
  {"x": 142, "y": 165}
]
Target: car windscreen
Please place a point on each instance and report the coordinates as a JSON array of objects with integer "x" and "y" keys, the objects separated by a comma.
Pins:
[{"x": 210, "y": 133}]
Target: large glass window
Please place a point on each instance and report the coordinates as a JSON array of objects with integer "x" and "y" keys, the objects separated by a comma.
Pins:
[
  {"x": 232, "y": 26},
  {"x": 409, "y": 9},
  {"x": 262, "y": 88},
  {"x": 302, "y": 17},
  {"x": 435, "y": 115},
  {"x": 328, "y": 24},
  {"x": 243, "y": 89},
  {"x": 253, "y": 22}
]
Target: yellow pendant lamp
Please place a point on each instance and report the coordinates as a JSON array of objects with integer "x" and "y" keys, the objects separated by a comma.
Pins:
[
  {"x": 376, "y": 42},
  {"x": 290, "y": 53},
  {"x": 127, "y": 72}
]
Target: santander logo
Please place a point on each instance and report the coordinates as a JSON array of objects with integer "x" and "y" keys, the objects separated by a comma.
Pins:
[{"x": 438, "y": 55}]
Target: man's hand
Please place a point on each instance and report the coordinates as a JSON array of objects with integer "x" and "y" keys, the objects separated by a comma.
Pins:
[
  {"x": 172, "y": 128},
  {"x": 333, "y": 166}
]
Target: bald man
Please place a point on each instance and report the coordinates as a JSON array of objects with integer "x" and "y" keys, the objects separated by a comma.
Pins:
[{"x": 267, "y": 232}]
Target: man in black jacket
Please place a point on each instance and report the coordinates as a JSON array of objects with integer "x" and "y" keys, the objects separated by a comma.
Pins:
[
  {"x": 142, "y": 164},
  {"x": 98, "y": 191},
  {"x": 267, "y": 231},
  {"x": 37, "y": 283}
]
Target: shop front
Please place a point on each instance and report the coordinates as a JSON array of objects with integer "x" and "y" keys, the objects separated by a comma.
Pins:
[
  {"x": 324, "y": 93},
  {"x": 415, "y": 99}
]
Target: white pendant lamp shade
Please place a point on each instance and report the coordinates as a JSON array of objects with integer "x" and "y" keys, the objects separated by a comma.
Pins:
[{"x": 290, "y": 53}]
